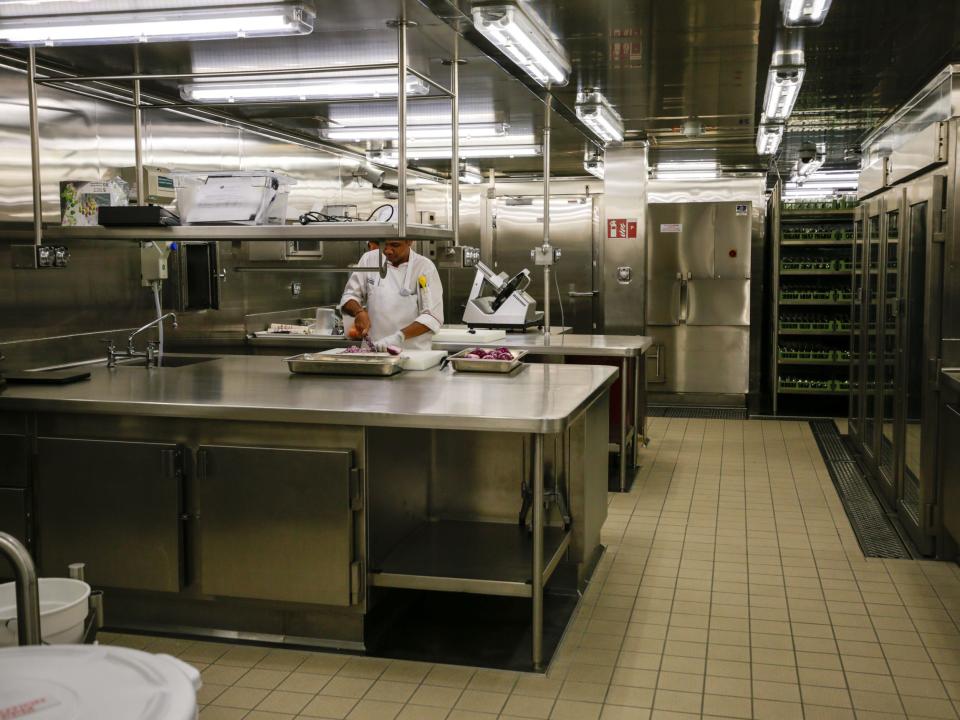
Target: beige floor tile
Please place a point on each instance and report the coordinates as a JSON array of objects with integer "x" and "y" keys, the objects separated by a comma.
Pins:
[
  {"x": 348, "y": 687},
  {"x": 775, "y": 710},
  {"x": 630, "y": 696},
  {"x": 215, "y": 712},
  {"x": 725, "y": 706},
  {"x": 876, "y": 701},
  {"x": 241, "y": 697},
  {"x": 436, "y": 696},
  {"x": 222, "y": 674},
  {"x": 927, "y": 707},
  {"x": 481, "y": 701},
  {"x": 375, "y": 710},
  {"x": 324, "y": 706},
  {"x": 588, "y": 692},
  {"x": 422, "y": 712},
  {"x": 822, "y": 712},
  {"x": 620, "y": 712},
  {"x": 261, "y": 678},
  {"x": 829, "y": 696},
  {"x": 678, "y": 701},
  {"x": 282, "y": 701},
  {"x": 304, "y": 682},
  {"x": 391, "y": 691},
  {"x": 526, "y": 706},
  {"x": 575, "y": 710},
  {"x": 449, "y": 676}
]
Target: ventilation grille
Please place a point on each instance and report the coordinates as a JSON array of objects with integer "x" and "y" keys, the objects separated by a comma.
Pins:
[
  {"x": 674, "y": 411},
  {"x": 876, "y": 534}
]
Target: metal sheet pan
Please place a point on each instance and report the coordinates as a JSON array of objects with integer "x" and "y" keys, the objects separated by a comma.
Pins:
[
  {"x": 461, "y": 363},
  {"x": 373, "y": 364}
]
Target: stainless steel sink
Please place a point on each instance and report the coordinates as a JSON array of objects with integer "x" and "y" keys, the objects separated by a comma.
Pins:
[{"x": 171, "y": 361}]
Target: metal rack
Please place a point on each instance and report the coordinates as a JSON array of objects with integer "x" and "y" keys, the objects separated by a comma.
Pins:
[
  {"x": 810, "y": 319},
  {"x": 113, "y": 88}
]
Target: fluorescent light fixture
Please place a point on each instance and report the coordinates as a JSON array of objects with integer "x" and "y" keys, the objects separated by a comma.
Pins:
[
  {"x": 522, "y": 35},
  {"x": 470, "y": 174},
  {"x": 244, "y": 21},
  {"x": 805, "y": 13},
  {"x": 595, "y": 111},
  {"x": 335, "y": 84},
  {"x": 388, "y": 156},
  {"x": 783, "y": 86},
  {"x": 769, "y": 136},
  {"x": 441, "y": 132},
  {"x": 687, "y": 170}
]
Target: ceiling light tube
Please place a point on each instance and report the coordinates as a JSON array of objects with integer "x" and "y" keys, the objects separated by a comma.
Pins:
[
  {"x": 324, "y": 86},
  {"x": 388, "y": 156},
  {"x": 595, "y": 111},
  {"x": 691, "y": 175},
  {"x": 805, "y": 13},
  {"x": 435, "y": 132},
  {"x": 783, "y": 86},
  {"x": 769, "y": 136},
  {"x": 520, "y": 33},
  {"x": 243, "y": 21},
  {"x": 687, "y": 166}
]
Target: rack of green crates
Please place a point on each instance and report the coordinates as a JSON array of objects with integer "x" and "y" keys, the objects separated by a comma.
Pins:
[
  {"x": 810, "y": 385},
  {"x": 802, "y": 354},
  {"x": 804, "y": 324},
  {"x": 807, "y": 263}
]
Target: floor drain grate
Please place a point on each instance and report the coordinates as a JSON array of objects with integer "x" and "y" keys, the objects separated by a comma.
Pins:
[
  {"x": 875, "y": 533},
  {"x": 673, "y": 411}
]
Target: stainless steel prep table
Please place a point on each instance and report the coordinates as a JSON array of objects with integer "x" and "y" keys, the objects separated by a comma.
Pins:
[
  {"x": 540, "y": 401},
  {"x": 628, "y": 349}
]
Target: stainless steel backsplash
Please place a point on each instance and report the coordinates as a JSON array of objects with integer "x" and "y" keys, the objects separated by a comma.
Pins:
[{"x": 54, "y": 316}]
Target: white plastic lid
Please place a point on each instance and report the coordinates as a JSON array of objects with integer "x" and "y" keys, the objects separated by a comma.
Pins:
[{"x": 94, "y": 682}]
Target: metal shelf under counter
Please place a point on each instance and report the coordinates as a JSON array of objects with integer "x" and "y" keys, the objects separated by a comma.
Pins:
[
  {"x": 484, "y": 558},
  {"x": 315, "y": 231}
]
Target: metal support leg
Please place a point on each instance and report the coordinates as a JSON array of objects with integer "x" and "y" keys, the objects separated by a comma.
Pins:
[
  {"x": 639, "y": 423},
  {"x": 34, "y": 110},
  {"x": 624, "y": 381},
  {"x": 27, "y": 591},
  {"x": 537, "y": 569}
]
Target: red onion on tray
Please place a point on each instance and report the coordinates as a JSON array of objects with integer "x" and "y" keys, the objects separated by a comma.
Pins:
[{"x": 500, "y": 353}]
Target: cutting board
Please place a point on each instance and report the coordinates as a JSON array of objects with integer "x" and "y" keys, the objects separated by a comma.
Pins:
[
  {"x": 457, "y": 335},
  {"x": 412, "y": 359}
]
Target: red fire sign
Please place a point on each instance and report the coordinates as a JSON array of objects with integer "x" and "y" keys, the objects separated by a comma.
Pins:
[{"x": 621, "y": 228}]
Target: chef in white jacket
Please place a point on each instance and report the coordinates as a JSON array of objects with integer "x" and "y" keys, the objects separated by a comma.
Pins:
[{"x": 405, "y": 308}]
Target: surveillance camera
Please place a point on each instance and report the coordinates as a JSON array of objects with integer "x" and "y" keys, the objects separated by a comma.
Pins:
[{"x": 807, "y": 152}]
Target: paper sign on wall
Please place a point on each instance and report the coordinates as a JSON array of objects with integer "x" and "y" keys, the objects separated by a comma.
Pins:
[
  {"x": 671, "y": 227},
  {"x": 742, "y": 209},
  {"x": 621, "y": 228}
]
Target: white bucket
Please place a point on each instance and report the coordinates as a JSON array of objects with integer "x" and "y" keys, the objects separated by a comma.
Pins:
[
  {"x": 63, "y": 609},
  {"x": 95, "y": 682}
]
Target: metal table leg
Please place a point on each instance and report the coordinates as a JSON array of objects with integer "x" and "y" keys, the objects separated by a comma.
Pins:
[
  {"x": 624, "y": 381},
  {"x": 639, "y": 418},
  {"x": 537, "y": 569}
]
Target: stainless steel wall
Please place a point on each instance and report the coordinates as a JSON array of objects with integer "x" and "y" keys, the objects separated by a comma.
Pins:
[
  {"x": 100, "y": 293},
  {"x": 625, "y": 197}
]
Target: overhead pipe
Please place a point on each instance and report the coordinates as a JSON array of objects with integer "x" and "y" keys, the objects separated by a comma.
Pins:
[
  {"x": 402, "y": 122},
  {"x": 35, "y": 146},
  {"x": 546, "y": 249},
  {"x": 455, "y": 134}
]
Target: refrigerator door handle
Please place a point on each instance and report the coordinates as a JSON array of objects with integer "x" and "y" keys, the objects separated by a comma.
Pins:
[{"x": 683, "y": 300}]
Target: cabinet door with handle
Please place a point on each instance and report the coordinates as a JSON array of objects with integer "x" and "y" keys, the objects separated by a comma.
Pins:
[
  {"x": 112, "y": 505},
  {"x": 275, "y": 524}
]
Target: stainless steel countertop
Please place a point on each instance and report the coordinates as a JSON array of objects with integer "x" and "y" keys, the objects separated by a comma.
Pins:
[
  {"x": 538, "y": 398},
  {"x": 534, "y": 343}
]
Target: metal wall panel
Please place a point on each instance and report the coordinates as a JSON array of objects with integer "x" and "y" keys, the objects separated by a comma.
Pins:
[
  {"x": 624, "y": 187},
  {"x": 519, "y": 228},
  {"x": 664, "y": 278},
  {"x": 718, "y": 302}
]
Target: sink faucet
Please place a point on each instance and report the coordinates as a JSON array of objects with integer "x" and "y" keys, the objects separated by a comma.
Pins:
[{"x": 152, "y": 350}]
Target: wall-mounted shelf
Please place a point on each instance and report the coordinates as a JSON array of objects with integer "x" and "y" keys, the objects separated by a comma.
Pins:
[{"x": 315, "y": 231}]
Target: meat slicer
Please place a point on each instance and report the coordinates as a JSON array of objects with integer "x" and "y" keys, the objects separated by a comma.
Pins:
[{"x": 500, "y": 301}]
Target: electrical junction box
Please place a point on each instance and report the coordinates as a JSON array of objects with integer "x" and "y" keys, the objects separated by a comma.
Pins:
[
  {"x": 153, "y": 262},
  {"x": 158, "y": 183}
]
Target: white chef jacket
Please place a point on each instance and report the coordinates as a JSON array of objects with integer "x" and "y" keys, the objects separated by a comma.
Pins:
[{"x": 398, "y": 299}]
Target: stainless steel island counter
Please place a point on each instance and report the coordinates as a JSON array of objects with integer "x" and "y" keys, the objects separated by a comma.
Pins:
[
  {"x": 537, "y": 398},
  {"x": 232, "y": 498},
  {"x": 629, "y": 410}
]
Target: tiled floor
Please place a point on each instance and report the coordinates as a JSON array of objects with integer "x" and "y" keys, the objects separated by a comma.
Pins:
[{"x": 732, "y": 587}]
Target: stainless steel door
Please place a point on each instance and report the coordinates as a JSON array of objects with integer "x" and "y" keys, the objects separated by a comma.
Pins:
[
  {"x": 275, "y": 524},
  {"x": 115, "y": 506},
  {"x": 698, "y": 295},
  {"x": 919, "y": 343},
  {"x": 518, "y": 228},
  {"x": 889, "y": 290},
  {"x": 718, "y": 287},
  {"x": 857, "y": 329},
  {"x": 664, "y": 277},
  {"x": 871, "y": 406}
]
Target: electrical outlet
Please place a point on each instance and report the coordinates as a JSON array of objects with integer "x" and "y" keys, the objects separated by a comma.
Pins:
[{"x": 296, "y": 287}]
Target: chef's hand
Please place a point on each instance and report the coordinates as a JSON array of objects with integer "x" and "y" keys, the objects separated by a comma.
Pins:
[
  {"x": 390, "y": 341},
  {"x": 361, "y": 322}
]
